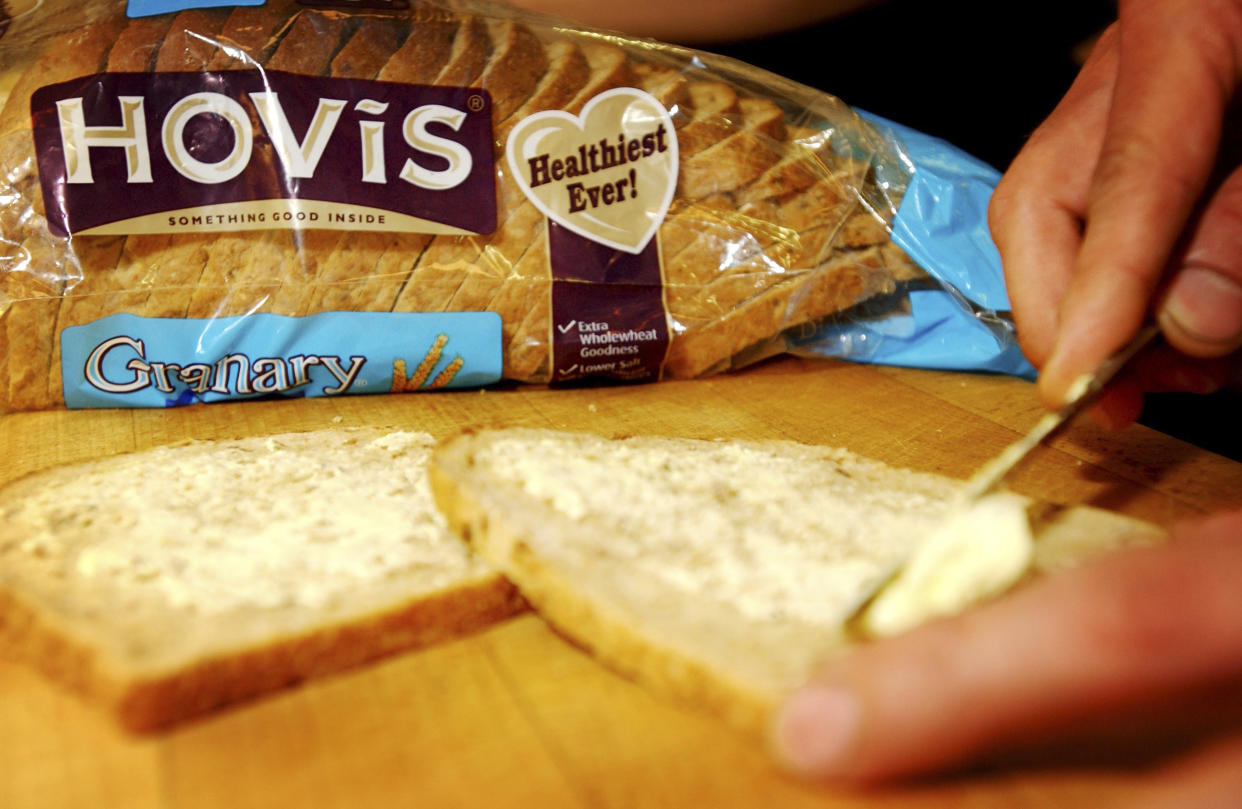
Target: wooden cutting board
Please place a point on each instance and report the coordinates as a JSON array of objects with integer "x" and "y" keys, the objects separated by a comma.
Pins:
[{"x": 515, "y": 716}]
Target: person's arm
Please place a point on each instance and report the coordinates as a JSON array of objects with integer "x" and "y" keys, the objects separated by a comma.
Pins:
[
  {"x": 696, "y": 21},
  {"x": 1109, "y": 217}
]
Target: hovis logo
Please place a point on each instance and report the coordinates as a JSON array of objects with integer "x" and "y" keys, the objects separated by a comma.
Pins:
[{"x": 161, "y": 152}]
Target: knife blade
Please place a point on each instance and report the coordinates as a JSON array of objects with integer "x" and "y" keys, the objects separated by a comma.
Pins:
[{"x": 1082, "y": 392}]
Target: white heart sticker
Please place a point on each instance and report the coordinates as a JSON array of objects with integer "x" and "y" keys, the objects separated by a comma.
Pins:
[{"x": 608, "y": 174}]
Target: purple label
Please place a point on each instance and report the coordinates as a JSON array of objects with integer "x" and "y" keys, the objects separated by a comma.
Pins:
[
  {"x": 237, "y": 150},
  {"x": 614, "y": 325}
]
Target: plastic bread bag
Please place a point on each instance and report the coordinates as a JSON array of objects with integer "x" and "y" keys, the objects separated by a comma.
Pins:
[
  {"x": 958, "y": 318},
  {"x": 306, "y": 199}
]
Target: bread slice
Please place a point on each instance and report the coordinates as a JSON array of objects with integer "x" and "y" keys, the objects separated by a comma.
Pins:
[
  {"x": 747, "y": 152},
  {"x": 29, "y": 299},
  {"x": 711, "y": 104},
  {"x": 166, "y": 583},
  {"x": 717, "y": 572}
]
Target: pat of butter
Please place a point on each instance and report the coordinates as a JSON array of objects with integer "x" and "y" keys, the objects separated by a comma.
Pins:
[{"x": 976, "y": 552}]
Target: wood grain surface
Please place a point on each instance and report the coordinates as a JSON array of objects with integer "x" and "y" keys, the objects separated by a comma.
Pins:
[{"x": 515, "y": 716}]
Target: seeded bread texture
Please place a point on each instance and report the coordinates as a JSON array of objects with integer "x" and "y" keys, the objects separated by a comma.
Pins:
[
  {"x": 717, "y": 572},
  {"x": 771, "y": 226},
  {"x": 167, "y": 583}
]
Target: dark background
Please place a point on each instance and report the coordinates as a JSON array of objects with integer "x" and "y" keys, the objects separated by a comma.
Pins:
[{"x": 980, "y": 74}]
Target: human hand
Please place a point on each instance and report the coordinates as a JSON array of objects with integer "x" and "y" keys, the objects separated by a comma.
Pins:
[
  {"x": 1147, "y": 640},
  {"x": 1126, "y": 203}
]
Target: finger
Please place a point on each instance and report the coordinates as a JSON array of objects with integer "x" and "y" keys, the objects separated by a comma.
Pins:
[
  {"x": 1119, "y": 406},
  {"x": 1176, "y": 74},
  {"x": 1164, "y": 369},
  {"x": 1161, "y": 369},
  {"x": 1201, "y": 312},
  {"x": 1035, "y": 214},
  {"x": 1207, "y": 779},
  {"x": 1131, "y": 628}
]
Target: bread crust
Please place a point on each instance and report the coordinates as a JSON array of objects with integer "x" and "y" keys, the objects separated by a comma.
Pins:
[{"x": 146, "y": 701}]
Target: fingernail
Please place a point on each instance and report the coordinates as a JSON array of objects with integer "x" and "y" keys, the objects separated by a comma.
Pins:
[
  {"x": 1053, "y": 381},
  {"x": 1205, "y": 305},
  {"x": 816, "y": 728}
]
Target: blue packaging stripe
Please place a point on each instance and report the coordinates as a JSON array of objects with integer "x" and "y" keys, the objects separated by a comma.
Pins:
[
  {"x": 149, "y": 8},
  {"x": 126, "y": 360}
]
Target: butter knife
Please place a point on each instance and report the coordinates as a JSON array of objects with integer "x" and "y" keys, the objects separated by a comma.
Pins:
[{"x": 1084, "y": 390}]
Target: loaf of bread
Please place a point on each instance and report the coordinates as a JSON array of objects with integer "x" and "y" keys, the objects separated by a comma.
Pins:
[
  {"x": 719, "y": 573},
  {"x": 776, "y": 219},
  {"x": 166, "y": 583}
]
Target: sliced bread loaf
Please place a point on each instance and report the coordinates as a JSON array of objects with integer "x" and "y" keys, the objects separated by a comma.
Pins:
[
  {"x": 169, "y": 582},
  {"x": 719, "y": 572},
  {"x": 769, "y": 202}
]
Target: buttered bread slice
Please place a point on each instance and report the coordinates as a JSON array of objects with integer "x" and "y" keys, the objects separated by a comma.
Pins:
[
  {"x": 718, "y": 572},
  {"x": 169, "y": 582}
]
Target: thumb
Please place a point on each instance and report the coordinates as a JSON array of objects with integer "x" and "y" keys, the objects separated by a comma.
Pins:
[{"x": 1201, "y": 312}]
